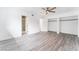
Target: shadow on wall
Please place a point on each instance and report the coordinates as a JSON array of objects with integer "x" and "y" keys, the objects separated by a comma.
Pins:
[{"x": 13, "y": 27}]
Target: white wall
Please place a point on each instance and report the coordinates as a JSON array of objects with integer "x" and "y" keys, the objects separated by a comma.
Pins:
[
  {"x": 33, "y": 25},
  {"x": 43, "y": 24},
  {"x": 10, "y": 22},
  {"x": 78, "y": 25}
]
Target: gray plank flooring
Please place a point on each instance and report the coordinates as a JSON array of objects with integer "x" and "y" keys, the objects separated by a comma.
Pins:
[{"x": 42, "y": 41}]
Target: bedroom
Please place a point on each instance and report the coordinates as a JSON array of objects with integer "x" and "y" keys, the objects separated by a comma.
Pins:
[{"x": 57, "y": 31}]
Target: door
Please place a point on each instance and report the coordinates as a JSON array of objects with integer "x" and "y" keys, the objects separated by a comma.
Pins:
[{"x": 24, "y": 25}]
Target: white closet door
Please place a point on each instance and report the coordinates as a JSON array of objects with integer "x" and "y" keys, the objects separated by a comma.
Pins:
[
  {"x": 69, "y": 26},
  {"x": 52, "y": 25}
]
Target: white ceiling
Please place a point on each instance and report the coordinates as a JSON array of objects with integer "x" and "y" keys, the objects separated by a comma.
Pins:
[
  {"x": 59, "y": 10},
  {"x": 66, "y": 9}
]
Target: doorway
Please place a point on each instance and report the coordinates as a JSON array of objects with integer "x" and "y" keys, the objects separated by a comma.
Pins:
[{"x": 24, "y": 25}]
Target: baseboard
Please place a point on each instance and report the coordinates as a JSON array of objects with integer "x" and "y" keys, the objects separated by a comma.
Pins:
[
  {"x": 63, "y": 33},
  {"x": 7, "y": 39}
]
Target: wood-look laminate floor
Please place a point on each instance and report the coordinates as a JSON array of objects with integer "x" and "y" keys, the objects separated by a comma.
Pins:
[{"x": 43, "y": 41}]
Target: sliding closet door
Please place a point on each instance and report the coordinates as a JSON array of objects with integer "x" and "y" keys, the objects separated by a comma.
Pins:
[
  {"x": 69, "y": 25},
  {"x": 52, "y": 25}
]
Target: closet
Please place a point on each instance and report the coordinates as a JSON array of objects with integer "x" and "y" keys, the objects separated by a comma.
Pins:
[
  {"x": 67, "y": 25},
  {"x": 52, "y": 24}
]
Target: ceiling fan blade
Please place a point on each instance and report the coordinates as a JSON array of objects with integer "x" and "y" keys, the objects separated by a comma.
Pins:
[
  {"x": 52, "y": 8},
  {"x": 43, "y": 8},
  {"x": 52, "y": 11},
  {"x": 48, "y": 8}
]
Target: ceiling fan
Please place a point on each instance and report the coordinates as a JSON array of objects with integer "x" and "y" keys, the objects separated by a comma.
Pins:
[{"x": 49, "y": 10}]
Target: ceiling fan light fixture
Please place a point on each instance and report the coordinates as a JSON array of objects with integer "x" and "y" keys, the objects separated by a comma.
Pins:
[{"x": 48, "y": 10}]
